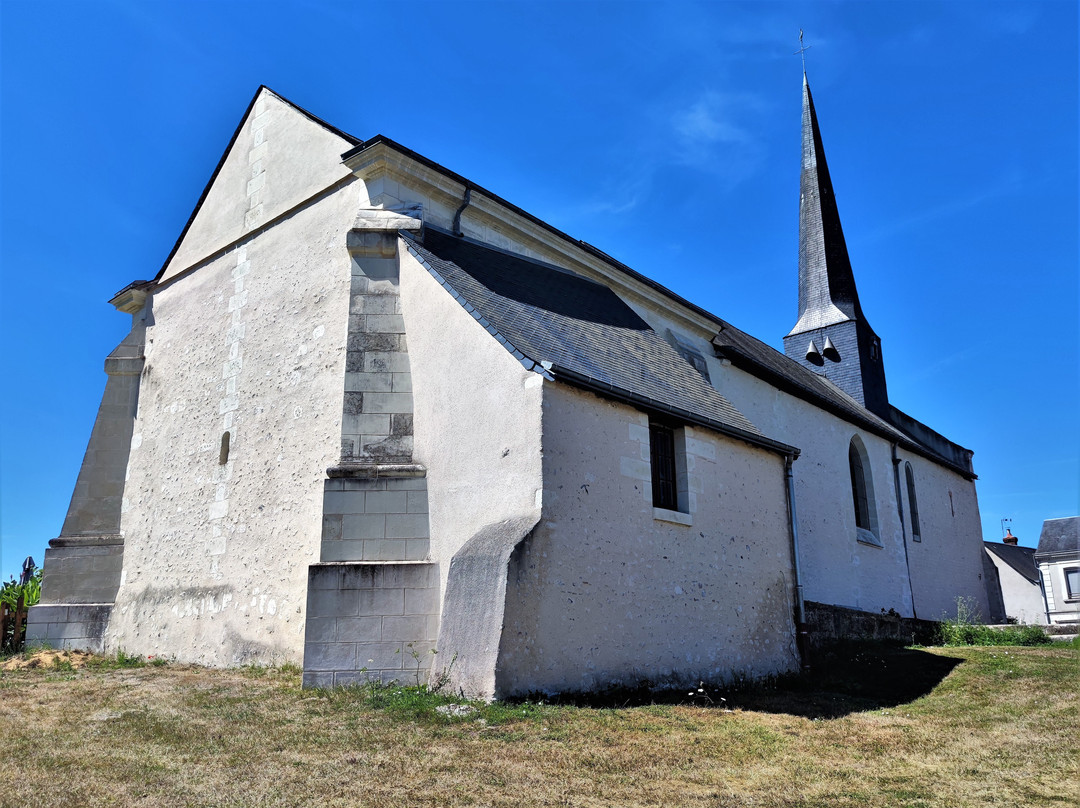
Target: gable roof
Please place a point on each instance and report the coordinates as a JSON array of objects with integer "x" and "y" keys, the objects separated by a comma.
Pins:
[
  {"x": 578, "y": 331},
  {"x": 1060, "y": 537},
  {"x": 225, "y": 155},
  {"x": 1020, "y": 559}
]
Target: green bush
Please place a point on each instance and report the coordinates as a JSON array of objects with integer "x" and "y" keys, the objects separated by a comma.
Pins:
[
  {"x": 13, "y": 594},
  {"x": 967, "y": 629}
]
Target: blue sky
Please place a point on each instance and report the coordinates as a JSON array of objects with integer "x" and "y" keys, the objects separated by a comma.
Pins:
[{"x": 665, "y": 134}]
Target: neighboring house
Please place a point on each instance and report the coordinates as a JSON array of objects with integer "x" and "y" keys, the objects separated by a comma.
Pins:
[
  {"x": 1058, "y": 557},
  {"x": 368, "y": 409},
  {"x": 1014, "y": 583}
]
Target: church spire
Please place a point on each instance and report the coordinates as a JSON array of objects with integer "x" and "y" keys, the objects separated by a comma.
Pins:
[
  {"x": 827, "y": 291},
  {"x": 829, "y": 310}
]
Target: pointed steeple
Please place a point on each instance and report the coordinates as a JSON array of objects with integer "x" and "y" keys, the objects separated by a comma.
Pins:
[
  {"x": 829, "y": 310},
  {"x": 827, "y": 291}
]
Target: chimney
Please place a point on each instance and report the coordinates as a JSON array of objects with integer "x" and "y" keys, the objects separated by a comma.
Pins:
[{"x": 1009, "y": 537}]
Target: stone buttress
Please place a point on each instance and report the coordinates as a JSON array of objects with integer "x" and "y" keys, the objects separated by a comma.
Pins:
[
  {"x": 83, "y": 564},
  {"x": 373, "y": 606}
]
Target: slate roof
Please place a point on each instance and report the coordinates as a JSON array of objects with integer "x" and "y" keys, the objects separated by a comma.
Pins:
[
  {"x": 1060, "y": 537},
  {"x": 1021, "y": 559},
  {"x": 766, "y": 362},
  {"x": 580, "y": 331}
]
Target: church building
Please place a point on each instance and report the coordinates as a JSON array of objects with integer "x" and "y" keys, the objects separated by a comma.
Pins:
[{"x": 374, "y": 418}]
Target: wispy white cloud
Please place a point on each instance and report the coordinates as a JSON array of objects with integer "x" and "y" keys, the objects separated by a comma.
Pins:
[
  {"x": 621, "y": 197},
  {"x": 714, "y": 133}
]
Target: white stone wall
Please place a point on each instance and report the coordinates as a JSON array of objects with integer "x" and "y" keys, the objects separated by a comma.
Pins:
[
  {"x": 477, "y": 417},
  {"x": 604, "y": 592},
  {"x": 280, "y": 158},
  {"x": 216, "y": 556},
  {"x": 837, "y": 568},
  {"x": 946, "y": 564}
]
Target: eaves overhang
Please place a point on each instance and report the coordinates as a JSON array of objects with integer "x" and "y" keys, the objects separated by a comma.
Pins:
[
  {"x": 378, "y": 155},
  {"x": 787, "y": 385}
]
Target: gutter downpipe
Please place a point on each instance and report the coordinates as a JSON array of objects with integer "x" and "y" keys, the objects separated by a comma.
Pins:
[
  {"x": 456, "y": 227},
  {"x": 903, "y": 528},
  {"x": 802, "y": 631}
]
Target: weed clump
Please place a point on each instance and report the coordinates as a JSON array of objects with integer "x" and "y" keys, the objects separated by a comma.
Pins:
[{"x": 967, "y": 629}]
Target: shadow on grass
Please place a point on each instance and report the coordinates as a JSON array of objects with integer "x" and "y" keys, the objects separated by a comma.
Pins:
[
  {"x": 853, "y": 677},
  {"x": 846, "y": 678}
]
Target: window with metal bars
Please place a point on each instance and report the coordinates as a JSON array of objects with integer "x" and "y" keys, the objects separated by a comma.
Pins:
[{"x": 665, "y": 484}]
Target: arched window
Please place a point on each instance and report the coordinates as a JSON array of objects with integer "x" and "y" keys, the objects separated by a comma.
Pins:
[
  {"x": 913, "y": 503},
  {"x": 862, "y": 493}
]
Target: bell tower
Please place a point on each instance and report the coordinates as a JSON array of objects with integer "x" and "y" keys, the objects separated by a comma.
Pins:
[{"x": 832, "y": 336}]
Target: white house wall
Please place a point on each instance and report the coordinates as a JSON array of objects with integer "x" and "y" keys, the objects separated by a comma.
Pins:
[
  {"x": 1023, "y": 600},
  {"x": 1062, "y": 609},
  {"x": 604, "y": 593},
  {"x": 253, "y": 343}
]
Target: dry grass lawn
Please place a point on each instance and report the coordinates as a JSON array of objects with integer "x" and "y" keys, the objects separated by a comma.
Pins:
[{"x": 874, "y": 727}]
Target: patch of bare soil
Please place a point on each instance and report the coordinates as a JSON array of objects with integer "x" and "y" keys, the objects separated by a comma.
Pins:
[{"x": 46, "y": 658}]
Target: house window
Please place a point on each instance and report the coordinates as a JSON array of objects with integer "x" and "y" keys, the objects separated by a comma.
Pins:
[
  {"x": 862, "y": 493},
  {"x": 1072, "y": 583},
  {"x": 665, "y": 484},
  {"x": 913, "y": 503}
]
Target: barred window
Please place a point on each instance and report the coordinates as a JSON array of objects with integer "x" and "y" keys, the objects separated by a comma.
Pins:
[{"x": 662, "y": 453}]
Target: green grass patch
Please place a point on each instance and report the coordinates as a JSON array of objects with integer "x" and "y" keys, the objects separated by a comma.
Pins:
[{"x": 968, "y": 629}]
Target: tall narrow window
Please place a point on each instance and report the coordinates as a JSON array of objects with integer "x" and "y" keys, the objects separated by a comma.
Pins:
[
  {"x": 913, "y": 503},
  {"x": 862, "y": 493},
  {"x": 662, "y": 454}
]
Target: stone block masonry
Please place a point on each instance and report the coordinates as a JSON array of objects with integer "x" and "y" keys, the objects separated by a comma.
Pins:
[
  {"x": 372, "y": 621},
  {"x": 85, "y": 572},
  {"x": 373, "y": 600},
  {"x": 71, "y": 627},
  {"x": 82, "y": 567},
  {"x": 383, "y": 519}
]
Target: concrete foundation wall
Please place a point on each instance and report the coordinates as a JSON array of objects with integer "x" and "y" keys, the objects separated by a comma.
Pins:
[
  {"x": 831, "y": 624},
  {"x": 607, "y": 590},
  {"x": 73, "y": 627},
  {"x": 253, "y": 344},
  {"x": 370, "y": 622}
]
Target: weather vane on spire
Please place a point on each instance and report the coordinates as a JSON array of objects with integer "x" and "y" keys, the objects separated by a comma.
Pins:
[{"x": 802, "y": 51}]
